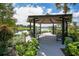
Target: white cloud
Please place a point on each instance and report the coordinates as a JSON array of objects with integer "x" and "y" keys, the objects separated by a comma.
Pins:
[
  {"x": 49, "y": 11},
  {"x": 61, "y": 12},
  {"x": 76, "y": 16},
  {"x": 23, "y": 12}
]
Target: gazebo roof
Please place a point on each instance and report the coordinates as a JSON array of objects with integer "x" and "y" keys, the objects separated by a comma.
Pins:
[{"x": 48, "y": 19}]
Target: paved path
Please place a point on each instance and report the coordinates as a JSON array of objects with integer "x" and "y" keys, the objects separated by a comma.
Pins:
[{"x": 49, "y": 46}]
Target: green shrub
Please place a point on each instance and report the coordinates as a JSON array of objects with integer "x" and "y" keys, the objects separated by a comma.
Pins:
[
  {"x": 21, "y": 48},
  {"x": 74, "y": 36},
  {"x": 73, "y": 32},
  {"x": 73, "y": 49},
  {"x": 33, "y": 47},
  {"x": 25, "y": 33},
  {"x": 5, "y": 33},
  {"x": 35, "y": 42},
  {"x": 30, "y": 53},
  {"x": 5, "y": 36},
  {"x": 20, "y": 38},
  {"x": 17, "y": 39},
  {"x": 68, "y": 40},
  {"x": 27, "y": 49}
]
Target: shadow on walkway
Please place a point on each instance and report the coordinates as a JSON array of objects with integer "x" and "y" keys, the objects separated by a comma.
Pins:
[{"x": 49, "y": 46}]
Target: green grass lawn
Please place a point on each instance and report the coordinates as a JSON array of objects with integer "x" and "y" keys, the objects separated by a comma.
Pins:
[{"x": 22, "y": 28}]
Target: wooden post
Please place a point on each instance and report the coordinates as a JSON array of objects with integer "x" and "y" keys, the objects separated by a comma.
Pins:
[
  {"x": 66, "y": 28},
  {"x": 30, "y": 26},
  {"x": 63, "y": 29},
  {"x": 53, "y": 28},
  {"x": 40, "y": 28},
  {"x": 34, "y": 27}
]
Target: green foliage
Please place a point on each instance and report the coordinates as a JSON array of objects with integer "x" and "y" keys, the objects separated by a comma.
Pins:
[
  {"x": 5, "y": 35},
  {"x": 25, "y": 34},
  {"x": 17, "y": 39},
  {"x": 10, "y": 22},
  {"x": 58, "y": 31},
  {"x": 73, "y": 32},
  {"x": 45, "y": 31},
  {"x": 27, "y": 49},
  {"x": 21, "y": 48},
  {"x": 64, "y": 6},
  {"x": 22, "y": 28},
  {"x": 73, "y": 48},
  {"x": 68, "y": 40},
  {"x": 6, "y": 14}
]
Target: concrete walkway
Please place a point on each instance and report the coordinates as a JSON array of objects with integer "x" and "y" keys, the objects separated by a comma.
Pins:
[{"x": 49, "y": 46}]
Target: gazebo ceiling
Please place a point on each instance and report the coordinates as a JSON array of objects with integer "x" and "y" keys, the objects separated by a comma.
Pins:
[{"x": 48, "y": 19}]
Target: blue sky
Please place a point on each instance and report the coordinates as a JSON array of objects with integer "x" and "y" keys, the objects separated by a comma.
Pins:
[
  {"x": 48, "y": 5},
  {"x": 42, "y": 8}
]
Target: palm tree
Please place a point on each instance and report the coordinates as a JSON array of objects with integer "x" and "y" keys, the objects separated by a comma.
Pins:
[{"x": 64, "y": 7}]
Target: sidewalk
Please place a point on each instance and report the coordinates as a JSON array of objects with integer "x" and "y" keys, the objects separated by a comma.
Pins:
[{"x": 49, "y": 46}]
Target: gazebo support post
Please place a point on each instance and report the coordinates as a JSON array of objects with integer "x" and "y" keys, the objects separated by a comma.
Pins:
[
  {"x": 53, "y": 29},
  {"x": 40, "y": 28},
  {"x": 63, "y": 29},
  {"x": 34, "y": 27},
  {"x": 30, "y": 26},
  {"x": 66, "y": 28}
]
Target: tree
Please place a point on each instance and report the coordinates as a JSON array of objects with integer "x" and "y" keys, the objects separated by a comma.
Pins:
[
  {"x": 64, "y": 6},
  {"x": 6, "y": 14},
  {"x": 6, "y": 35},
  {"x": 6, "y": 28},
  {"x": 65, "y": 9}
]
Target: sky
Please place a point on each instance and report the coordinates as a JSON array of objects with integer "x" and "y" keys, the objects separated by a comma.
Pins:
[{"x": 23, "y": 10}]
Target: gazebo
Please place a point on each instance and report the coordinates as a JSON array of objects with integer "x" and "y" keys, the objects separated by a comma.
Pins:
[{"x": 62, "y": 19}]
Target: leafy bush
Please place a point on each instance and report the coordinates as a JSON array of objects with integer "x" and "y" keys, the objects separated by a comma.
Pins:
[
  {"x": 58, "y": 31},
  {"x": 21, "y": 48},
  {"x": 27, "y": 49},
  {"x": 74, "y": 36},
  {"x": 25, "y": 33},
  {"x": 73, "y": 49},
  {"x": 73, "y": 32},
  {"x": 18, "y": 39},
  {"x": 5, "y": 35},
  {"x": 68, "y": 40}
]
